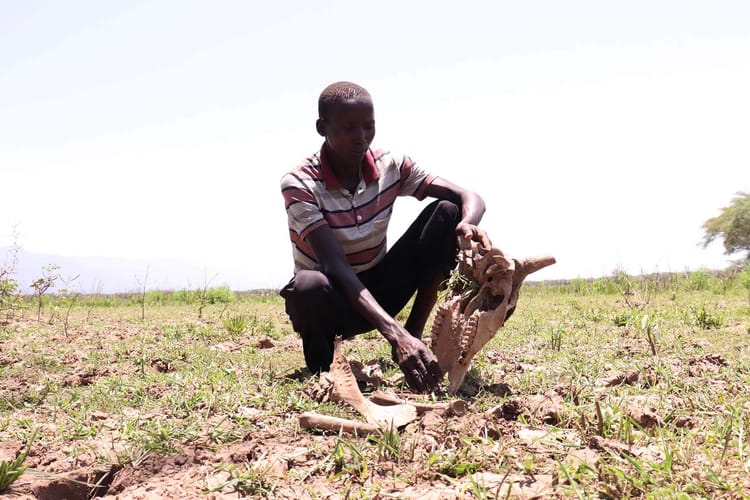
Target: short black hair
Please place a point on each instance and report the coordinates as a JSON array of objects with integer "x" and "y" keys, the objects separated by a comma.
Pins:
[{"x": 337, "y": 93}]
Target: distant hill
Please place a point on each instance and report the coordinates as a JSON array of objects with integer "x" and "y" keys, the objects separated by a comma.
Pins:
[{"x": 116, "y": 275}]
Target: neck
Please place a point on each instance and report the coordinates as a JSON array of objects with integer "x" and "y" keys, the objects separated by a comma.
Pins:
[{"x": 345, "y": 169}]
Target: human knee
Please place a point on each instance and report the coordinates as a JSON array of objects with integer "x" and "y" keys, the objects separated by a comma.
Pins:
[
  {"x": 310, "y": 282},
  {"x": 304, "y": 297},
  {"x": 448, "y": 210}
]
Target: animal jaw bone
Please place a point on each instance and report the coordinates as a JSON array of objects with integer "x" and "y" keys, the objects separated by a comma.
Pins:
[
  {"x": 345, "y": 388},
  {"x": 482, "y": 295}
]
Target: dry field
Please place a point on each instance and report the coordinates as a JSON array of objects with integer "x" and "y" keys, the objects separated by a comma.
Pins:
[{"x": 618, "y": 388}]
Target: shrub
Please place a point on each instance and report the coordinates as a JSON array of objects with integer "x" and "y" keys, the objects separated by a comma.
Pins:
[
  {"x": 699, "y": 280},
  {"x": 604, "y": 286},
  {"x": 156, "y": 297},
  {"x": 220, "y": 295},
  {"x": 184, "y": 296}
]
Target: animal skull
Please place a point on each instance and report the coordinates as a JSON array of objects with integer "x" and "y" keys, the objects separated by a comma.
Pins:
[{"x": 482, "y": 295}]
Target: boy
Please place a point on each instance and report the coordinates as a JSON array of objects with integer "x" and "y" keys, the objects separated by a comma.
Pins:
[{"x": 338, "y": 204}]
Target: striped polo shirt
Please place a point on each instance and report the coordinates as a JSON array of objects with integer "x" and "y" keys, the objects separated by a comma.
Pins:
[{"x": 314, "y": 196}]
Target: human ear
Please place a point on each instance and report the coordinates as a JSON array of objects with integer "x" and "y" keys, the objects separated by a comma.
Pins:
[{"x": 320, "y": 126}]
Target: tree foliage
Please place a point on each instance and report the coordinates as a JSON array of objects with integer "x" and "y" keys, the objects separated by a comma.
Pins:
[{"x": 732, "y": 225}]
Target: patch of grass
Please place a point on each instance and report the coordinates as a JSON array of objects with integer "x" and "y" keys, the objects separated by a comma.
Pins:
[
  {"x": 236, "y": 324},
  {"x": 702, "y": 317},
  {"x": 250, "y": 480}
]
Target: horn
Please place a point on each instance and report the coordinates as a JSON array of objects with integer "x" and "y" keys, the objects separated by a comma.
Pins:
[{"x": 533, "y": 264}]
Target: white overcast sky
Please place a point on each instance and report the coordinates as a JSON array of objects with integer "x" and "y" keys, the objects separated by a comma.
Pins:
[{"x": 604, "y": 133}]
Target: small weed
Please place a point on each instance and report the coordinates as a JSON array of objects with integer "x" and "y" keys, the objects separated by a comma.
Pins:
[
  {"x": 251, "y": 481},
  {"x": 556, "y": 337},
  {"x": 621, "y": 319},
  {"x": 702, "y": 317},
  {"x": 459, "y": 284},
  {"x": 348, "y": 460},
  {"x": 11, "y": 470},
  {"x": 236, "y": 324},
  {"x": 648, "y": 327},
  {"x": 455, "y": 462},
  {"x": 388, "y": 443}
]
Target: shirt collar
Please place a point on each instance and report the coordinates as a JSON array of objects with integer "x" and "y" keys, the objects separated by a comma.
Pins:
[{"x": 369, "y": 170}]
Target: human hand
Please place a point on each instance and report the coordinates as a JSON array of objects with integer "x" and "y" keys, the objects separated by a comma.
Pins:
[
  {"x": 419, "y": 365},
  {"x": 472, "y": 232}
]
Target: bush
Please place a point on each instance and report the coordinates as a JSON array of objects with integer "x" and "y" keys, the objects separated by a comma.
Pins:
[
  {"x": 699, "y": 280},
  {"x": 604, "y": 287},
  {"x": 220, "y": 295},
  {"x": 156, "y": 297},
  {"x": 184, "y": 296}
]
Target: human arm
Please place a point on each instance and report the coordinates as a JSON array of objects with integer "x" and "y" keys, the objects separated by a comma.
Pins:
[
  {"x": 415, "y": 360},
  {"x": 471, "y": 204}
]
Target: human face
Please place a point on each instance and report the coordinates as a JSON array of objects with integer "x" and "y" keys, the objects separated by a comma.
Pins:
[{"x": 349, "y": 131}]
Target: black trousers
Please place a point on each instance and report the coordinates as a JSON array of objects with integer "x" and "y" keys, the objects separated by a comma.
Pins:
[{"x": 319, "y": 312}]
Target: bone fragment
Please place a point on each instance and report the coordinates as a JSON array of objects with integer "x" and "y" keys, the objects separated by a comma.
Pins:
[
  {"x": 314, "y": 420},
  {"x": 456, "y": 407}
]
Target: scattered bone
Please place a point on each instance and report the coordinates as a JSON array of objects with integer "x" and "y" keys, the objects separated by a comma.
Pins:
[
  {"x": 456, "y": 407},
  {"x": 370, "y": 373},
  {"x": 322, "y": 390},
  {"x": 481, "y": 297},
  {"x": 314, "y": 420}
]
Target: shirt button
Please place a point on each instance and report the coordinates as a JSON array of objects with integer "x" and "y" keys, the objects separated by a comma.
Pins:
[{"x": 359, "y": 217}]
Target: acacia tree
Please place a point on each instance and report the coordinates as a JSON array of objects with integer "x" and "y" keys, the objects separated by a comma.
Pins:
[{"x": 732, "y": 225}]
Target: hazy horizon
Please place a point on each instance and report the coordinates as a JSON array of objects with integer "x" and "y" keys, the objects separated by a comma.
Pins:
[{"x": 108, "y": 275}]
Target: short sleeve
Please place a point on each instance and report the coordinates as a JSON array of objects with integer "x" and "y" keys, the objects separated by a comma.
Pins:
[
  {"x": 303, "y": 212},
  {"x": 414, "y": 180}
]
